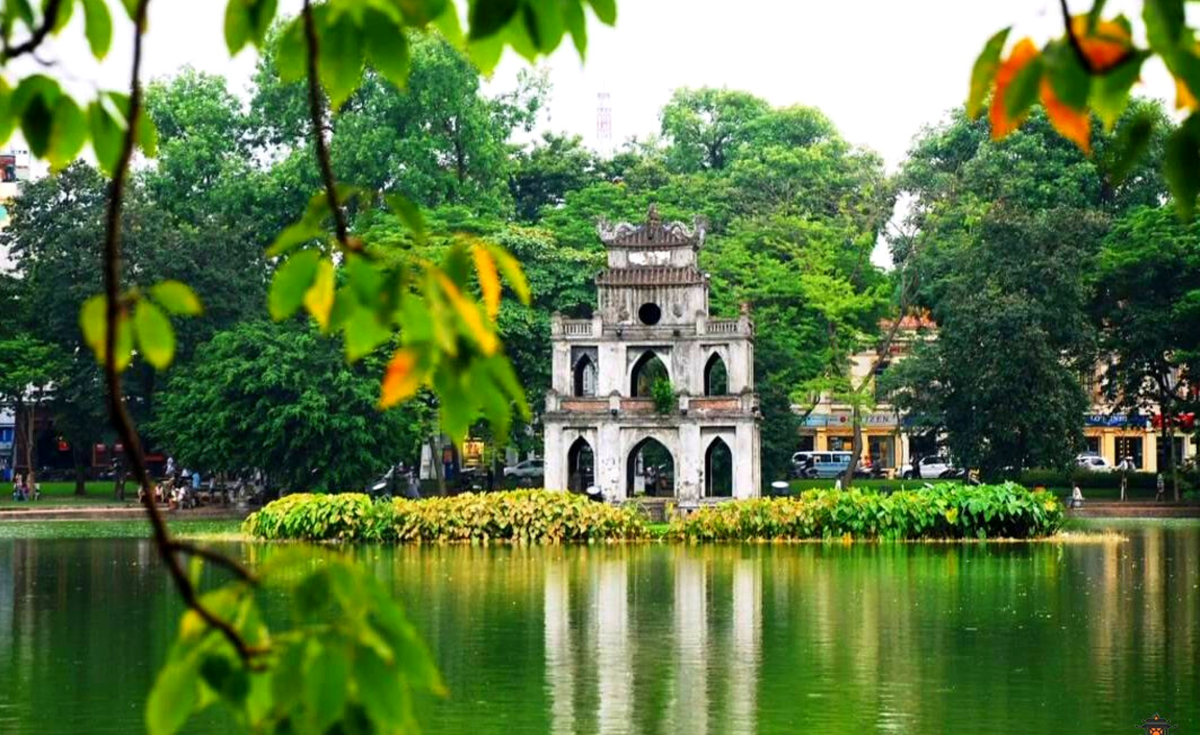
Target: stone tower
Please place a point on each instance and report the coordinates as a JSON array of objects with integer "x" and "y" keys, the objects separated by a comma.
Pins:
[{"x": 602, "y": 425}]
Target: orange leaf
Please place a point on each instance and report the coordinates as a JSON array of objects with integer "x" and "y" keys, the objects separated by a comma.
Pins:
[
  {"x": 1105, "y": 46},
  {"x": 1024, "y": 52},
  {"x": 401, "y": 380},
  {"x": 489, "y": 279},
  {"x": 1072, "y": 124},
  {"x": 470, "y": 315},
  {"x": 1184, "y": 99}
]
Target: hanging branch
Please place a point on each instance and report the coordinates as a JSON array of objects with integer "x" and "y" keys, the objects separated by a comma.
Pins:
[
  {"x": 49, "y": 19},
  {"x": 316, "y": 115},
  {"x": 121, "y": 420}
]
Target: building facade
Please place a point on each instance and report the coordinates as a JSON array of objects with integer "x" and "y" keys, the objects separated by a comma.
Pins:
[{"x": 604, "y": 428}]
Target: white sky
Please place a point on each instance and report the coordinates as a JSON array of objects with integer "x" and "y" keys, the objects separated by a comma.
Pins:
[{"x": 880, "y": 69}]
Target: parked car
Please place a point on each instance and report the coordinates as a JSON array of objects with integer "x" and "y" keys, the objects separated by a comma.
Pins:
[
  {"x": 810, "y": 465},
  {"x": 1093, "y": 463},
  {"x": 932, "y": 467},
  {"x": 527, "y": 473}
]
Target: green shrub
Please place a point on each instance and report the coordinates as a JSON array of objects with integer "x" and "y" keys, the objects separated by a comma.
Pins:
[
  {"x": 944, "y": 511},
  {"x": 663, "y": 394},
  {"x": 536, "y": 516}
]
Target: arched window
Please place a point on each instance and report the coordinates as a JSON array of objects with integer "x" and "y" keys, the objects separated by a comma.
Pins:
[
  {"x": 716, "y": 377},
  {"x": 650, "y": 470},
  {"x": 646, "y": 371},
  {"x": 581, "y": 464},
  {"x": 585, "y": 375},
  {"x": 718, "y": 470}
]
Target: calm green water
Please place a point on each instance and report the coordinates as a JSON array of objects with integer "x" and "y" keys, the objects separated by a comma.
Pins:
[{"x": 1003, "y": 638}]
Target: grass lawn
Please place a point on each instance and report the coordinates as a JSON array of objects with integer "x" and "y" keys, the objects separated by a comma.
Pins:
[
  {"x": 63, "y": 493},
  {"x": 204, "y": 529},
  {"x": 1093, "y": 493}
]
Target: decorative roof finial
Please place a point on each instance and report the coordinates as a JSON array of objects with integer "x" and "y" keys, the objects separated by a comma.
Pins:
[{"x": 652, "y": 218}]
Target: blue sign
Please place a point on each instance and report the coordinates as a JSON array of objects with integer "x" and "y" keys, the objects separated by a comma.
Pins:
[{"x": 1115, "y": 419}]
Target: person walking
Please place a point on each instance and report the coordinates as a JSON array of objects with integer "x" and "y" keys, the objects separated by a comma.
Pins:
[
  {"x": 1124, "y": 468},
  {"x": 1160, "y": 489}
]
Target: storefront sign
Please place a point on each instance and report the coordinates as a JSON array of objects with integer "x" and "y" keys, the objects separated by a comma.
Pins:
[
  {"x": 843, "y": 419},
  {"x": 1115, "y": 419}
]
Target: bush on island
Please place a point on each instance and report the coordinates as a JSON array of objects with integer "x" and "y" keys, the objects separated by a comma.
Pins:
[
  {"x": 534, "y": 516},
  {"x": 944, "y": 511}
]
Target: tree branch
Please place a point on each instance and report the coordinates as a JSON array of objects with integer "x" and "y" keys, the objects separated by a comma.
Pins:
[
  {"x": 120, "y": 417},
  {"x": 1076, "y": 46},
  {"x": 49, "y": 18},
  {"x": 317, "y": 117}
]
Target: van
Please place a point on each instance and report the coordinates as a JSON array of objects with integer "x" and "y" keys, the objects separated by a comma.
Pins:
[{"x": 824, "y": 464}]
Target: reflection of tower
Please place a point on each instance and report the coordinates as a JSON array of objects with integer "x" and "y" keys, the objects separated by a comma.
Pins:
[
  {"x": 604, "y": 142},
  {"x": 560, "y": 666},
  {"x": 611, "y": 592},
  {"x": 746, "y": 644}
]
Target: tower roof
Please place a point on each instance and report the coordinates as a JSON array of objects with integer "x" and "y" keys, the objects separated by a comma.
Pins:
[{"x": 654, "y": 233}]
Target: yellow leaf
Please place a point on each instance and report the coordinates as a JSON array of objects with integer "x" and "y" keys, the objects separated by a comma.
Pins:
[
  {"x": 1074, "y": 125},
  {"x": 1024, "y": 52},
  {"x": 401, "y": 380},
  {"x": 1106, "y": 46},
  {"x": 319, "y": 297},
  {"x": 469, "y": 314},
  {"x": 489, "y": 279},
  {"x": 1184, "y": 99}
]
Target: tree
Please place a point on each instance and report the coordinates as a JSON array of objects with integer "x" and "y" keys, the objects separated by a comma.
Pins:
[
  {"x": 28, "y": 369},
  {"x": 1002, "y": 377},
  {"x": 282, "y": 400},
  {"x": 707, "y": 127},
  {"x": 547, "y": 171},
  {"x": 1147, "y": 303}
]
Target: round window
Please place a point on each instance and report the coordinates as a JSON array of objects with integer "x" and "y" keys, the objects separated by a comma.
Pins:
[{"x": 649, "y": 314}]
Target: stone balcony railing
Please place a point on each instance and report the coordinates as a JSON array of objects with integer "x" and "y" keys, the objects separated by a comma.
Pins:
[
  {"x": 630, "y": 406},
  {"x": 595, "y": 328}
]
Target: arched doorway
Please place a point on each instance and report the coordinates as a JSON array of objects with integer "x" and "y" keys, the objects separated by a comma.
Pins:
[
  {"x": 585, "y": 374},
  {"x": 648, "y": 369},
  {"x": 652, "y": 463},
  {"x": 718, "y": 470},
  {"x": 716, "y": 377},
  {"x": 581, "y": 464}
]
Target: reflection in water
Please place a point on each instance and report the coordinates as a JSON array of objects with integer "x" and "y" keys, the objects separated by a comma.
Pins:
[{"x": 998, "y": 638}]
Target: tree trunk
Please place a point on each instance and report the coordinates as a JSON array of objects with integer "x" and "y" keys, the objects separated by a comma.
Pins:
[
  {"x": 1168, "y": 438},
  {"x": 79, "y": 460},
  {"x": 30, "y": 454},
  {"x": 435, "y": 451},
  {"x": 855, "y": 446}
]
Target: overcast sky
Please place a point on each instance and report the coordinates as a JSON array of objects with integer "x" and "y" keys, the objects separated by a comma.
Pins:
[{"x": 879, "y": 68}]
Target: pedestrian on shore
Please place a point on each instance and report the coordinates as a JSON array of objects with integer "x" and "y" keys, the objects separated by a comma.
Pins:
[
  {"x": 19, "y": 489},
  {"x": 1125, "y": 468},
  {"x": 1160, "y": 489},
  {"x": 1076, "y": 496}
]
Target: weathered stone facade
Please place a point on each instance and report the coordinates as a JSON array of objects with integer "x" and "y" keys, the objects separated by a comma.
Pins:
[{"x": 653, "y": 302}]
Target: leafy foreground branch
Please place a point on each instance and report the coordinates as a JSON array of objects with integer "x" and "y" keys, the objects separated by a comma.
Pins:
[{"x": 947, "y": 511}]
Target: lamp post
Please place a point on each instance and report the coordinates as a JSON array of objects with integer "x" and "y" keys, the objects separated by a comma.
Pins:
[{"x": 1155, "y": 726}]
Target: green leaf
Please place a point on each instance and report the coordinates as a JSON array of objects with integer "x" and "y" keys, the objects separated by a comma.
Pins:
[
  {"x": 68, "y": 132},
  {"x": 154, "y": 334},
  {"x": 92, "y": 323},
  {"x": 1164, "y": 22},
  {"x": 97, "y": 25},
  {"x": 37, "y": 120},
  {"x": 605, "y": 10},
  {"x": 294, "y": 235},
  {"x": 1069, "y": 80},
  {"x": 1110, "y": 92},
  {"x": 262, "y": 13},
  {"x": 107, "y": 135},
  {"x": 177, "y": 298},
  {"x": 237, "y": 25},
  {"x": 1132, "y": 142},
  {"x": 340, "y": 58},
  {"x": 410, "y": 214},
  {"x": 63, "y": 16},
  {"x": 1181, "y": 165},
  {"x": 363, "y": 334},
  {"x": 387, "y": 48},
  {"x": 1024, "y": 89},
  {"x": 544, "y": 23},
  {"x": 496, "y": 405},
  {"x": 325, "y": 683},
  {"x": 292, "y": 58},
  {"x": 290, "y": 283},
  {"x": 172, "y": 698},
  {"x": 7, "y": 114},
  {"x": 487, "y": 17},
  {"x": 380, "y": 689},
  {"x": 421, "y": 12},
  {"x": 984, "y": 71},
  {"x": 576, "y": 23},
  {"x": 448, "y": 24}
]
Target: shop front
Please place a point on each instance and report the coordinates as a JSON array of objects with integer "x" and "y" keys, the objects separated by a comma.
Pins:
[{"x": 882, "y": 446}]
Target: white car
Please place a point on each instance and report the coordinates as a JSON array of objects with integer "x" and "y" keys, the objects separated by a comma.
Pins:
[
  {"x": 929, "y": 468},
  {"x": 525, "y": 472},
  {"x": 1093, "y": 463}
]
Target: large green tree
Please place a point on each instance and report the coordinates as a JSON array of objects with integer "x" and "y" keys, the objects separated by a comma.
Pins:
[{"x": 1147, "y": 303}]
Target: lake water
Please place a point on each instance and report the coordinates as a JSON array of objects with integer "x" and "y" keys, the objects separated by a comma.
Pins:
[{"x": 929, "y": 638}]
